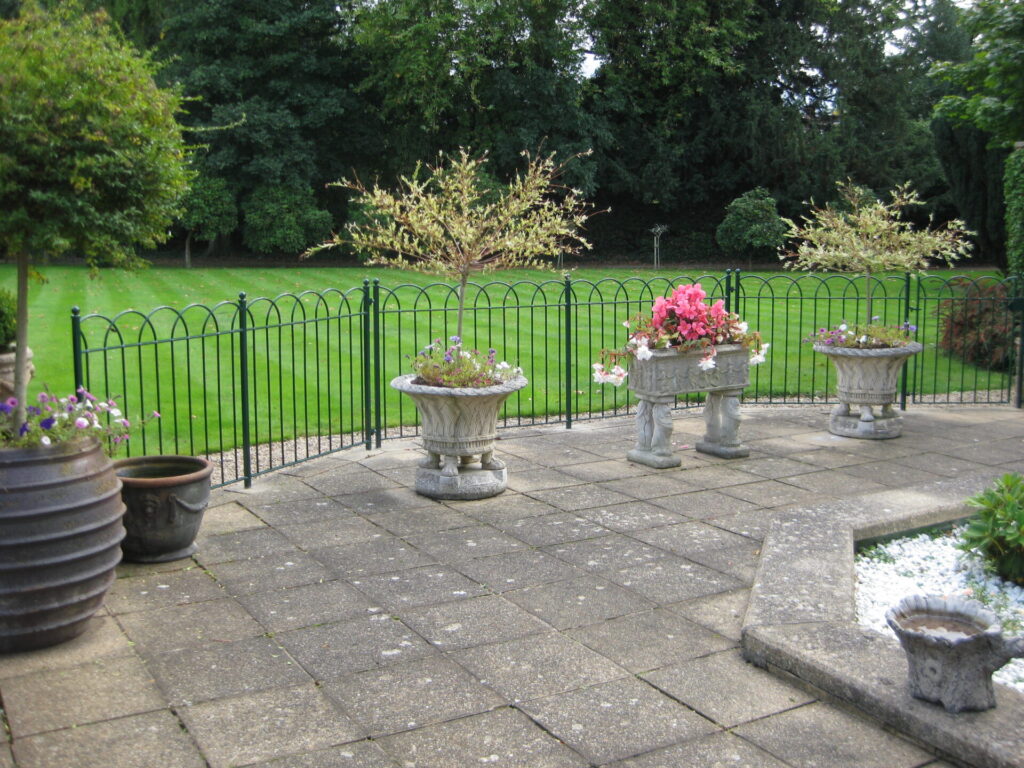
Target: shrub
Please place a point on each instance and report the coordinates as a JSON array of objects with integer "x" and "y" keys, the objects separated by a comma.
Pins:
[
  {"x": 1013, "y": 179},
  {"x": 8, "y": 317},
  {"x": 752, "y": 224},
  {"x": 287, "y": 219},
  {"x": 976, "y": 325},
  {"x": 996, "y": 531}
]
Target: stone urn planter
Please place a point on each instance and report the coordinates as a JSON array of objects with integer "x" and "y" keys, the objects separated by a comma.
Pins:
[
  {"x": 865, "y": 379},
  {"x": 60, "y": 536},
  {"x": 7, "y": 372},
  {"x": 953, "y": 646},
  {"x": 667, "y": 373},
  {"x": 164, "y": 498},
  {"x": 458, "y": 428}
]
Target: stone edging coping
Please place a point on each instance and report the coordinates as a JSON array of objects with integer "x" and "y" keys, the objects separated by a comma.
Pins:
[{"x": 801, "y": 620}]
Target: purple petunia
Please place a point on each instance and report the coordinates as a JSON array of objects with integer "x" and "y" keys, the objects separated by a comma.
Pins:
[{"x": 48, "y": 423}]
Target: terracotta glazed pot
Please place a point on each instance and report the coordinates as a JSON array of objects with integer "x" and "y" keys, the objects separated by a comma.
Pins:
[
  {"x": 60, "y": 531},
  {"x": 865, "y": 379},
  {"x": 458, "y": 425},
  {"x": 165, "y": 497}
]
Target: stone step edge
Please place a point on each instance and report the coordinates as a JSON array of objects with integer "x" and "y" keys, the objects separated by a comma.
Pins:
[{"x": 801, "y": 620}]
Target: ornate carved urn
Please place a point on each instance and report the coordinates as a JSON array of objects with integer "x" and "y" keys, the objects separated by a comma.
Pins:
[{"x": 866, "y": 378}]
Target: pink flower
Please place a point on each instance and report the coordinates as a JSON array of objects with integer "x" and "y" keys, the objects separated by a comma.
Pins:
[{"x": 81, "y": 422}]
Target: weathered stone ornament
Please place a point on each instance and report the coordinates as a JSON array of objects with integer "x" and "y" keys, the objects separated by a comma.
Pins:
[
  {"x": 865, "y": 379},
  {"x": 458, "y": 427},
  {"x": 953, "y": 646},
  {"x": 667, "y": 373}
]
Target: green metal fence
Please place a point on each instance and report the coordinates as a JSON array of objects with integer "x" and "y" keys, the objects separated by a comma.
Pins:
[{"x": 260, "y": 384}]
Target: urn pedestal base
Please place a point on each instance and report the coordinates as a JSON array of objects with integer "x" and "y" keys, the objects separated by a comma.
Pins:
[
  {"x": 668, "y": 373},
  {"x": 468, "y": 484},
  {"x": 867, "y": 425}
]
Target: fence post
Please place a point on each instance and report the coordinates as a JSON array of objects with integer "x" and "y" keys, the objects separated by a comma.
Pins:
[
  {"x": 737, "y": 298},
  {"x": 906, "y": 321},
  {"x": 367, "y": 365},
  {"x": 568, "y": 350},
  {"x": 243, "y": 362},
  {"x": 728, "y": 290},
  {"x": 76, "y": 347},
  {"x": 378, "y": 385}
]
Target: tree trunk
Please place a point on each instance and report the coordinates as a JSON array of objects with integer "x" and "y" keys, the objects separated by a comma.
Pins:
[
  {"x": 21, "y": 341},
  {"x": 188, "y": 250},
  {"x": 463, "y": 279},
  {"x": 867, "y": 296}
]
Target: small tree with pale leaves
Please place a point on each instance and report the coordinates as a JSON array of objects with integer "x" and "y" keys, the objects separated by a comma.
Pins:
[
  {"x": 862, "y": 234},
  {"x": 450, "y": 219}
]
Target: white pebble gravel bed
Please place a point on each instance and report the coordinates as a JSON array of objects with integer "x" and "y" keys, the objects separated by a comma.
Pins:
[{"x": 931, "y": 564}]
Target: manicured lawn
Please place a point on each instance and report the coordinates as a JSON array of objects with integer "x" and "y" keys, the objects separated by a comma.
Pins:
[{"x": 308, "y": 377}]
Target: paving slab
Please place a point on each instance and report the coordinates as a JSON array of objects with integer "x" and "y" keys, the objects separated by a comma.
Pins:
[
  {"x": 241, "y": 545},
  {"x": 278, "y": 570},
  {"x": 458, "y": 544},
  {"x": 473, "y": 621},
  {"x": 515, "y": 570},
  {"x": 718, "y": 686},
  {"x": 381, "y": 555},
  {"x": 102, "y": 637},
  {"x": 414, "y": 587},
  {"x": 722, "y": 612},
  {"x": 504, "y": 737},
  {"x": 295, "y": 513},
  {"x": 632, "y": 516},
  {"x": 535, "y": 666},
  {"x": 645, "y": 641},
  {"x": 160, "y": 590},
  {"x": 334, "y": 650},
  {"x": 274, "y": 723},
  {"x": 402, "y": 697},
  {"x": 618, "y": 719},
  {"x": 108, "y": 688},
  {"x": 556, "y": 528},
  {"x": 716, "y": 751},
  {"x": 218, "y": 670},
  {"x": 360, "y": 754},
  {"x": 184, "y": 626},
  {"x": 822, "y": 736},
  {"x": 229, "y": 517},
  {"x": 138, "y": 741},
  {"x": 578, "y": 602},
  {"x": 283, "y": 609},
  {"x": 606, "y": 553}
]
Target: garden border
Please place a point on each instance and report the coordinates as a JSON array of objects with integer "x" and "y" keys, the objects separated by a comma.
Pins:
[{"x": 801, "y": 620}]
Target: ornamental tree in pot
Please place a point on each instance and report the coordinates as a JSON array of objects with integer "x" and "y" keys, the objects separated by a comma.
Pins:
[
  {"x": 92, "y": 163},
  {"x": 450, "y": 219},
  {"x": 864, "y": 235}
]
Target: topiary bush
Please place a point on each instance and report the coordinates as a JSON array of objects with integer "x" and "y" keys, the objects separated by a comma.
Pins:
[
  {"x": 8, "y": 317},
  {"x": 751, "y": 225},
  {"x": 996, "y": 531},
  {"x": 976, "y": 325}
]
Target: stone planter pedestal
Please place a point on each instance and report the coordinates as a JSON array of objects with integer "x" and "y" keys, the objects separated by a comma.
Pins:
[
  {"x": 953, "y": 646},
  {"x": 866, "y": 378},
  {"x": 458, "y": 428},
  {"x": 656, "y": 383},
  {"x": 7, "y": 372}
]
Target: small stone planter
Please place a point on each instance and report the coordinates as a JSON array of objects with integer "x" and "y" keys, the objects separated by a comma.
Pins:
[
  {"x": 657, "y": 381},
  {"x": 953, "y": 646},
  {"x": 865, "y": 379},
  {"x": 458, "y": 428},
  {"x": 165, "y": 497}
]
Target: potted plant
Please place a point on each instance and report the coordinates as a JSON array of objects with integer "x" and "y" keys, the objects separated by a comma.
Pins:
[
  {"x": 93, "y": 165},
  {"x": 451, "y": 219},
  {"x": 862, "y": 234},
  {"x": 60, "y": 516},
  {"x": 686, "y": 345},
  {"x": 8, "y": 333},
  {"x": 164, "y": 499}
]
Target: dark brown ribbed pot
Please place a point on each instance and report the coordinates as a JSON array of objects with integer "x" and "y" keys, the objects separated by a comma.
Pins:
[
  {"x": 60, "y": 535},
  {"x": 165, "y": 497}
]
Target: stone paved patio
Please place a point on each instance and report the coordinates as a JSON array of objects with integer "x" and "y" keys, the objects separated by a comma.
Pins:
[{"x": 590, "y": 616}]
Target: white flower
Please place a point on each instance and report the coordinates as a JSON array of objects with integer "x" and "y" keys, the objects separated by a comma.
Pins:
[
  {"x": 643, "y": 352},
  {"x": 625, "y": 323},
  {"x": 502, "y": 366},
  {"x": 44, "y": 440},
  {"x": 742, "y": 327},
  {"x": 758, "y": 357},
  {"x": 842, "y": 327},
  {"x": 115, "y": 412},
  {"x": 863, "y": 339},
  {"x": 707, "y": 363}
]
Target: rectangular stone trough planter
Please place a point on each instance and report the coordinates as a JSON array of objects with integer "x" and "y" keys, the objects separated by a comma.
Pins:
[{"x": 668, "y": 373}]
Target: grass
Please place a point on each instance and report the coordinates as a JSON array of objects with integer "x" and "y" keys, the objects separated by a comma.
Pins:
[{"x": 309, "y": 380}]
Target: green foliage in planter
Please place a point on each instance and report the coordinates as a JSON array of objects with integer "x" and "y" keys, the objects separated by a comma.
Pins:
[
  {"x": 1013, "y": 180},
  {"x": 976, "y": 326},
  {"x": 8, "y": 318},
  {"x": 996, "y": 530}
]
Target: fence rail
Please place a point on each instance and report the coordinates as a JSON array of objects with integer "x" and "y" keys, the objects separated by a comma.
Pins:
[{"x": 265, "y": 383}]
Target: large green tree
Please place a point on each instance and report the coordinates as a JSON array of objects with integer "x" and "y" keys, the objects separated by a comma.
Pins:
[
  {"x": 92, "y": 160},
  {"x": 274, "y": 82}
]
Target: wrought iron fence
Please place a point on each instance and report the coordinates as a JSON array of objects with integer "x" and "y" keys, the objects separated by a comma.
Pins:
[{"x": 260, "y": 384}]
